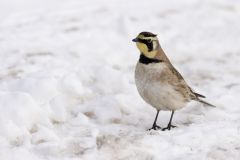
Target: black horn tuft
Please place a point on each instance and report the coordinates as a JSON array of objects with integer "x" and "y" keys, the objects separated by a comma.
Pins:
[{"x": 148, "y": 34}]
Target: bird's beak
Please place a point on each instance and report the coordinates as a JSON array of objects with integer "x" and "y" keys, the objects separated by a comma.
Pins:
[{"x": 135, "y": 40}]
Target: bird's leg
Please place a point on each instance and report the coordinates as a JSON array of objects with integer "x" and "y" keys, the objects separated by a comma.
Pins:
[
  {"x": 169, "y": 126},
  {"x": 155, "y": 126}
]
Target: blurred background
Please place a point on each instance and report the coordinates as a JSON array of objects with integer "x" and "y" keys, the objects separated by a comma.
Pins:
[{"x": 67, "y": 87}]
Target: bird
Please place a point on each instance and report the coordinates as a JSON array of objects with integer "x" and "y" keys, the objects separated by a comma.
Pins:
[{"x": 158, "y": 82}]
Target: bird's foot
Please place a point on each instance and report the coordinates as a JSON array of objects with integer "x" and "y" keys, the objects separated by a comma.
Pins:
[
  {"x": 169, "y": 127},
  {"x": 155, "y": 127}
]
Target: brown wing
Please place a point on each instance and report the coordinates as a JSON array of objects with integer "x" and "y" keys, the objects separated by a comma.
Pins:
[
  {"x": 180, "y": 84},
  {"x": 176, "y": 79},
  {"x": 183, "y": 88}
]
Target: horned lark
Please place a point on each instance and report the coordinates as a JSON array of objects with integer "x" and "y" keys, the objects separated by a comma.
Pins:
[{"x": 158, "y": 82}]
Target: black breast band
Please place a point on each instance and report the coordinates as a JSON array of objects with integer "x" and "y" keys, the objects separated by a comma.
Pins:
[{"x": 145, "y": 60}]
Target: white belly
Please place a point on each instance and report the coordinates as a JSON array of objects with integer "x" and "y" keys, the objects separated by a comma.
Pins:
[{"x": 157, "y": 93}]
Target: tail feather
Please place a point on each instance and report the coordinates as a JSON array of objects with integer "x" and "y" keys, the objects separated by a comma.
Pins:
[
  {"x": 199, "y": 95},
  {"x": 206, "y": 103}
]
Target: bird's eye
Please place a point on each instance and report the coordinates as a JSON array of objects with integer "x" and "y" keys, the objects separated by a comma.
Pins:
[{"x": 149, "y": 41}]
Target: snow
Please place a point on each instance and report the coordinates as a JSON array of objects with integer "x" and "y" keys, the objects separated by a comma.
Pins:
[{"x": 67, "y": 87}]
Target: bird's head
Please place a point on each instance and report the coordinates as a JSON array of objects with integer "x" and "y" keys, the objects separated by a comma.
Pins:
[{"x": 147, "y": 43}]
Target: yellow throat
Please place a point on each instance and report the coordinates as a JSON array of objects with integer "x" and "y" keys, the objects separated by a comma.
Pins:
[{"x": 144, "y": 50}]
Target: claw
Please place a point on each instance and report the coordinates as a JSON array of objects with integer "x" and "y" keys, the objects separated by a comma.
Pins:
[
  {"x": 169, "y": 127},
  {"x": 155, "y": 127}
]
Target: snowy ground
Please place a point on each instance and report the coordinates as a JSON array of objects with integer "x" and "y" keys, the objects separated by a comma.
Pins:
[{"x": 67, "y": 88}]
